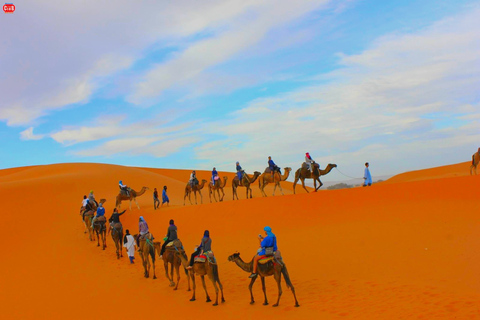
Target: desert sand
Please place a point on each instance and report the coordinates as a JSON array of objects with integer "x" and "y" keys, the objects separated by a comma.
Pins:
[{"x": 407, "y": 248}]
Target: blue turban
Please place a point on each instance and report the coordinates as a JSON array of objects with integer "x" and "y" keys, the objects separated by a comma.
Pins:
[
  {"x": 268, "y": 230},
  {"x": 206, "y": 234},
  {"x": 141, "y": 219}
]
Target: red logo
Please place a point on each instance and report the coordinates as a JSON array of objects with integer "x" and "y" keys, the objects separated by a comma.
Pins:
[{"x": 9, "y": 8}]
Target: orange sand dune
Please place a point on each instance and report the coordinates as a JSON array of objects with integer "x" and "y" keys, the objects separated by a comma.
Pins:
[
  {"x": 449, "y": 171},
  {"x": 396, "y": 250}
]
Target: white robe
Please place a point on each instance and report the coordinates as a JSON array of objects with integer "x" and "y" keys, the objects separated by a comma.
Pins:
[{"x": 130, "y": 245}]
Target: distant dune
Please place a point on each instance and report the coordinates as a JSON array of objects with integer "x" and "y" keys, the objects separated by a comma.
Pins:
[{"x": 406, "y": 248}]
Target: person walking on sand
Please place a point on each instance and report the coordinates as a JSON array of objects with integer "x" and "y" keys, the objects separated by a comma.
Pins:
[
  {"x": 129, "y": 243},
  {"x": 156, "y": 202},
  {"x": 366, "y": 176},
  {"x": 165, "y": 197},
  {"x": 171, "y": 235}
]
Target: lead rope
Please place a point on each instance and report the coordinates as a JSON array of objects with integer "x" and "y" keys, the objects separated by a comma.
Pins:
[{"x": 347, "y": 175}]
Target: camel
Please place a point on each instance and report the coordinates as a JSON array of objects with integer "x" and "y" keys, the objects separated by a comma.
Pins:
[
  {"x": 267, "y": 178},
  {"x": 218, "y": 186},
  {"x": 101, "y": 231},
  {"x": 169, "y": 256},
  {"x": 147, "y": 251},
  {"x": 303, "y": 173},
  {"x": 475, "y": 161},
  {"x": 275, "y": 268},
  {"x": 201, "y": 269},
  {"x": 132, "y": 196},
  {"x": 246, "y": 182},
  {"x": 189, "y": 189},
  {"x": 117, "y": 237},
  {"x": 90, "y": 211}
]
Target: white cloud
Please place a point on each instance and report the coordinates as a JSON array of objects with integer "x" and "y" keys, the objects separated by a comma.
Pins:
[
  {"x": 382, "y": 97},
  {"x": 59, "y": 53},
  {"x": 29, "y": 135}
]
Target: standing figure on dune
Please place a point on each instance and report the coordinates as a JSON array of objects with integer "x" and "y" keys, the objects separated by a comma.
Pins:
[
  {"x": 165, "y": 196},
  {"x": 366, "y": 176},
  {"x": 156, "y": 201}
]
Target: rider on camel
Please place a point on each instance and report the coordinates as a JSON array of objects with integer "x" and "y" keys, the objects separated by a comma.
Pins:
[
  {"x": 171, "y": 236},
  {"x": 124, "y": 187},
  {"x": 214, "y": 174},
  {"x": 100, "y": 213},
  {"x": 273, "y": 167},
  {"x": 205, "y": 246},
  {"x": 239, "y": 172},
  {"x": 269, "y": 243},
  {"x": 309, "y": 161}
]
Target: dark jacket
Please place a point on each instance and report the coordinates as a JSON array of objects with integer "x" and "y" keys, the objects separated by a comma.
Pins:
[{"x": 172, "y": 233}]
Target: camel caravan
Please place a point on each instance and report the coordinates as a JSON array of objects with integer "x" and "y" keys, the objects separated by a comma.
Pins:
[{"x": 272, "y": 174}]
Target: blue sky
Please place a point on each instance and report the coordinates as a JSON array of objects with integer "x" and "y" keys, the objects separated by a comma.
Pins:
[{"x": 197, "y": 84}]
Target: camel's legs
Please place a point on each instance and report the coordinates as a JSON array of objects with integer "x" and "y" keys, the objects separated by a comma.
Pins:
[
  {"x": 205, "y": 288},
  {"x": 195, "y": 194},
  {"x": 223, "y": 194},
  {"x": 98, "y": 238},
  {"x": 153, "y": 262},
  {"x": 234, "y": 191},
  {"x": 303, "y": 184},
  {"x": 194, "y": 285},
  {"x": 278, "y": 277},
  {"x": 145, "y": 263},
  {"x": 264, "y": 291},
  {"x": 212, "y": 278},
  {"x": 177, "y": 269},
  {"x": 280, "y": 187},
  {"x": 201, "y": 197},
  {"x": 137, "y": 204},
  {"x": 252, "y": 301},
  {"x": 319, "y": 182}
]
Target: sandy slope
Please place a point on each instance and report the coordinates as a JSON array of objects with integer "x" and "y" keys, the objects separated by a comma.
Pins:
[{"x": 399, "y": 250}]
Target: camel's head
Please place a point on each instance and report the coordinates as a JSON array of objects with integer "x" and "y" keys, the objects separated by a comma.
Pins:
[
  {"x": 333, "y": 165},
  {"x": 204, "y": 181},
  {"x": 234, "y": 256},
  {"x": 102, "y": 201},
  {"x": 287, "y": 169},
  {"x": 256, "y": 173}
]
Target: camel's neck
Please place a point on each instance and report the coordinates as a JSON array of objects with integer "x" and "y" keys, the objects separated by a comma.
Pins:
[
  {"x": 285, "y": 175},
  {"x": 224, "y": 183},
  {"x": 247, "y": 267},
  {"x": 327, "y": 170},
  {"x": 252, "y": 180},
  {"x": 139, "y": 193},
  {"x": 183, "y": 260},
  {"x": 200, "y": 186}
]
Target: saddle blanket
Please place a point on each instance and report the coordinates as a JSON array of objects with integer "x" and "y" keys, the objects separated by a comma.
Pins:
[{"x": 200, "y": 258}]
